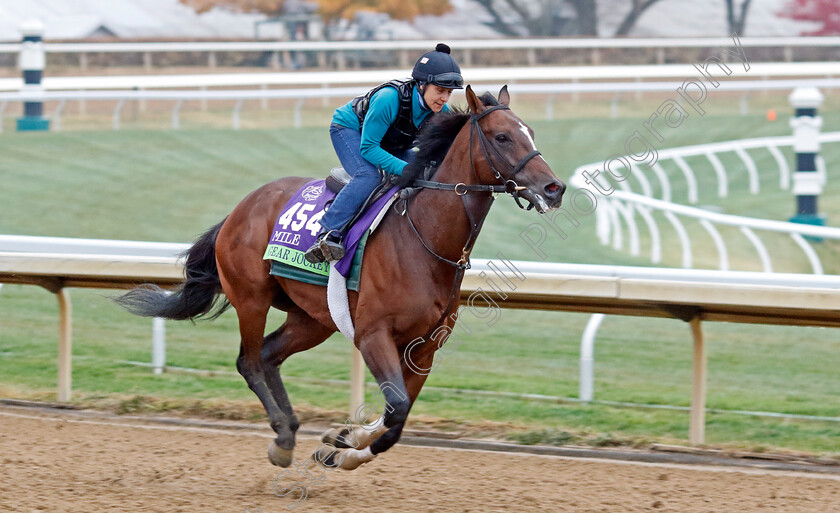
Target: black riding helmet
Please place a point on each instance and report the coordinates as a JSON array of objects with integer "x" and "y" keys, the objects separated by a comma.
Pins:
[{"x": 438, "y": 68}]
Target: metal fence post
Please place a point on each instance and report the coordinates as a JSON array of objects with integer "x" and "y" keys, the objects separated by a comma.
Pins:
[
  {"x": 32, "y": 61},
  {"x": 357, "y": 382},
  {"x": 807, "y": 182},
  {"x": 158, "y": 345},
  {"x": 65, "y": 346}
]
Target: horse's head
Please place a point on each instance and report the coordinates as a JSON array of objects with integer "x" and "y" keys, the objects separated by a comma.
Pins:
[{"x": 503, "y": 151}]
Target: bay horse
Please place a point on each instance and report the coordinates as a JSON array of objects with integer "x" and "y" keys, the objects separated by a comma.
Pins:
[{"x": 411, "y": 274}]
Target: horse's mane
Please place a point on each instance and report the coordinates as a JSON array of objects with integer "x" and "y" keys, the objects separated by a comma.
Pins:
[{"x": 436, "y": 139}]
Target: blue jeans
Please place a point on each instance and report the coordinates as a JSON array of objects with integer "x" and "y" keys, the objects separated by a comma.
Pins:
[{"x": 365, "y": 177}]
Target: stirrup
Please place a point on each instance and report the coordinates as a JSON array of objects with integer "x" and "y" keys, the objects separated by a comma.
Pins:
[{"x": 324, "y": 249}]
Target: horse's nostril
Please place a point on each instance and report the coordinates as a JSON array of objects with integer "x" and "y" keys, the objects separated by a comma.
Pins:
[{"x": 554, "y": 189}]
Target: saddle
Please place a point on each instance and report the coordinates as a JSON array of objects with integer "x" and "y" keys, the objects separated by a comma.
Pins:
[{"x": 338, "y": 178}]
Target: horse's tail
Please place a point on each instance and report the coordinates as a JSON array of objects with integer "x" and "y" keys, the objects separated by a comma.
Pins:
[{"x": 195, "y": 297}]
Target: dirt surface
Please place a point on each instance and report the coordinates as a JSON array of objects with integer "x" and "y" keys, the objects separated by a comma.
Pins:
[{"x": 51, "y": 461}]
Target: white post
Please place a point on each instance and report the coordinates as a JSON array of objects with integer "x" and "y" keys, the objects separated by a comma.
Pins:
[
  {"x": 587, "y": 352},
  {"x": 176, "y": 120},
  {"x": 65, "y": 346},
  {"x": 357, "y": 382},
  {"x": 697, "y": 428},
  {"x": 158, "y": 345},
  {"x": 3, "y": 105},
  {"x": 203, "y": 100}
]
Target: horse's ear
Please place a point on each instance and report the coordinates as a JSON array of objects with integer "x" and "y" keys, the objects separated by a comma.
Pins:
[
  {"x": 504, "y": 96},
  {"x": 472, "y": 100}
]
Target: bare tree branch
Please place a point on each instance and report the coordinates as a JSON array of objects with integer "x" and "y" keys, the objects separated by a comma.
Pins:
[
  {"x": 639, "y": 7},
  {"x": 498, "y": 23},
  {"x": 520, "y": 10},
  {"x": 544, "y": 22},
  {"x": 737, "y": 24},
  {"x": 587, "y": 17}
]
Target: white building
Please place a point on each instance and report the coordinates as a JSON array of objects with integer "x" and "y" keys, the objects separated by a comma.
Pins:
[
  {"x": 170, "y": 19},
  {"x": 130, "y": 19}
]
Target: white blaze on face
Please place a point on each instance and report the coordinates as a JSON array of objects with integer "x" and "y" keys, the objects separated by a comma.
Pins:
[{"x": 525, "y": 131}]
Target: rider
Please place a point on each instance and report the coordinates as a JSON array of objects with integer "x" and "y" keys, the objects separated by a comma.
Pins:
[{"x": 376, "y": 131}]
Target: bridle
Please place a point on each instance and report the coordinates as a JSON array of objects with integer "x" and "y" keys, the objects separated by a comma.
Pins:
[{"x": 508, "y": 186}]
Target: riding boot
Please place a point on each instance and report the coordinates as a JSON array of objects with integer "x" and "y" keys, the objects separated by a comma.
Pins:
[{"x": 327, "y": 248}]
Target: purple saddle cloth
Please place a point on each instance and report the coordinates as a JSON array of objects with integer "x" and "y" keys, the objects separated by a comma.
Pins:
[{"x": 297, "y": 227}]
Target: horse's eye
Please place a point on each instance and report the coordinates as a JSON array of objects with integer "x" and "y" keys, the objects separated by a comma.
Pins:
[{"x": 501, "y": 138}]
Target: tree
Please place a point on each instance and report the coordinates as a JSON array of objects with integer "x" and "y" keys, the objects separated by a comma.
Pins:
[
  {"x": 638, "y": 7},
  {"x": 551, "y": 17},
  {"x": 736, "y": 22},
  {"x": 542, "y": 17},
  {"x": 587, "y": 17},
  {"x": 270, "y": 7},
  {"x": 332, "y": 10},
  {"x": 824, "y": 12}
]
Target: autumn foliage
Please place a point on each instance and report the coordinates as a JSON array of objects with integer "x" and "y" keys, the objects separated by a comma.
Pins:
[
  {"x": 263, "y": 6},
  {"x": 824, "y": 12},
  {"x": 332, "y": 9}
]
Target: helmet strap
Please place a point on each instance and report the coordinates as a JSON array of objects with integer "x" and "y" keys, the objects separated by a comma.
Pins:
[{"x": 421, "y": 88}]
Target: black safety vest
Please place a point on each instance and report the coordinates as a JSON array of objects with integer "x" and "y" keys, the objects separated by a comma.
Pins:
[{"x": 400, "y": 135}]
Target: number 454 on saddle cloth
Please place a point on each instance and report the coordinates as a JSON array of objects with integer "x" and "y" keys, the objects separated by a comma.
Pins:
[{"x": 297, "y": 227}]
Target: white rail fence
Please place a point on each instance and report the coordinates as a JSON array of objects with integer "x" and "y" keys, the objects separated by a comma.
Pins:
[
  {"x": 407, "y": 50},
  {"x": 691, "y": 296},
  {"x": 77, "y": 247},
  {"x": 550, "y": 90},
  {"x": 619, "y": 210},
  {"x": 758, "y": 70}
]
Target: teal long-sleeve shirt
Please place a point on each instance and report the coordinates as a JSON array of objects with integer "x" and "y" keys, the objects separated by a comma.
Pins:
[{"x": 382, "y": 112}]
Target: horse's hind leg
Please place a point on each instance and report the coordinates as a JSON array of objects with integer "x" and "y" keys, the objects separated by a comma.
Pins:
[
  {"x": 299, "y": 333},
  {"x": 252, "y": 311}
]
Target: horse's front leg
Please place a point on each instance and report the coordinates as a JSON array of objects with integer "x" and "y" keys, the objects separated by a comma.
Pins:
[
  {"x": 399, "y": 388},
  {"x": 413, "y": 383},
  {"x": 384, "y": 361}
]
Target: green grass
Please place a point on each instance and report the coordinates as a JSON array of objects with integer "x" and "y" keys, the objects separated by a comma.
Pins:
[{"x": 171, "y": 185}]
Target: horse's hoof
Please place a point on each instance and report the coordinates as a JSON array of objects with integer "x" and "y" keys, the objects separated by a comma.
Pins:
[
  {"x": 278, "y": 456},
  {"x": 347, "y": 459},
  {"x": 336, "y": 437},
  {"x": 326, "y": 456}
]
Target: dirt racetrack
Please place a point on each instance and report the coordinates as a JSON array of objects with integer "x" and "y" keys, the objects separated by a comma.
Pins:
[{"x": 60, "y": 462}]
